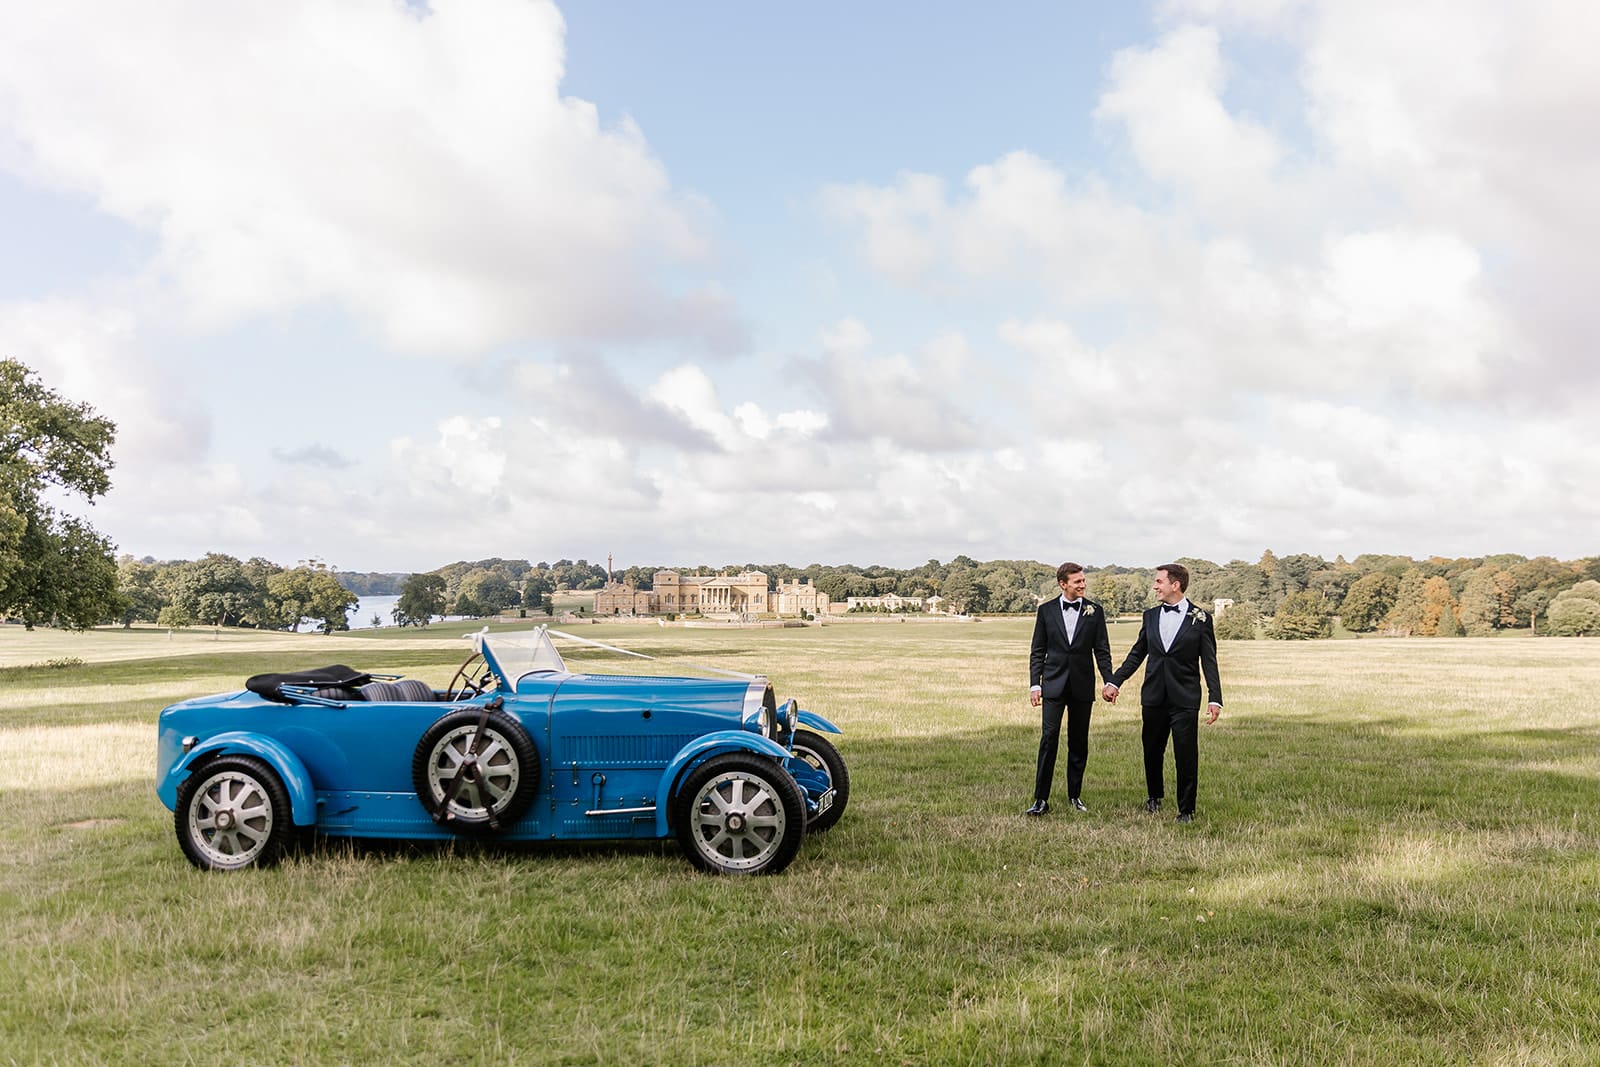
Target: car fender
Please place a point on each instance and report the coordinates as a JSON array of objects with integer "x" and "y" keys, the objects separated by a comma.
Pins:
[
  {"x": 290, "y": 770},
  {"x": 702, "y": 748},
  {"x": 817, "y": 722}
]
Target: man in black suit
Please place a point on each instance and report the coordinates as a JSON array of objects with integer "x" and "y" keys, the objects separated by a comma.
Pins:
[
  {"x": 1179, "y": 639},
  {"x": 1069, "y": 637}
]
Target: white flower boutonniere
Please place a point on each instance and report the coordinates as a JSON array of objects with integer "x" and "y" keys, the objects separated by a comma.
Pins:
[
  {"x": 1088, "y": 609},
  {"x": 1197, "y": 615}
]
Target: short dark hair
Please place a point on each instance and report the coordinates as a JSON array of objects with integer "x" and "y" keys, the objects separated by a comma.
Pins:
[
  {"x": 1177, "y": 572},
  {"x": 1067, "y": 570}
]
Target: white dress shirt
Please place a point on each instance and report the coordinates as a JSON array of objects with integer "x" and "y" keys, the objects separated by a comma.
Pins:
[
  {"x": 1170, "y": 621},
  {"x": 1070, "y": 617}
]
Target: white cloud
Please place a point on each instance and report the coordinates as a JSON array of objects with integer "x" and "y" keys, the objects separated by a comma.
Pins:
[
  {"x": 1169, "y": 100},
  {"x": 421, "y": 170}
]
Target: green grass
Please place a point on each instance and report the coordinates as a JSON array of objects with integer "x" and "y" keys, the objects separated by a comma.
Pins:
[{"x": 1395, "y": 862}]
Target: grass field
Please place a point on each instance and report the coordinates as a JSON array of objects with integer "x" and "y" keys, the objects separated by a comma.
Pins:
[{"x": 1395, "y": 861}]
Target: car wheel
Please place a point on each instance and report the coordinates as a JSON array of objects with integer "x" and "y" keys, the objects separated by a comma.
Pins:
[
  {"x": 233, "y": 813},
  {"x": 740, "y": 814},
  {"x": 819, "y": 752},
  {"x": 491, "y": 776}
]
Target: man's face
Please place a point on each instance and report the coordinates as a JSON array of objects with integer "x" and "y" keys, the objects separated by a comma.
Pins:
[
  {"x": 1074, "y": 586},
  {"x": 1167, "y": 590}
]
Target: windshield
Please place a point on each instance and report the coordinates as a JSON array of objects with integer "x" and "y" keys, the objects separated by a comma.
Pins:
[{"x": 512, "y": 655}]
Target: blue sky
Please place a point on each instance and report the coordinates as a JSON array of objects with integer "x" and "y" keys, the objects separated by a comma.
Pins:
[{"x": 390, "y": 286}]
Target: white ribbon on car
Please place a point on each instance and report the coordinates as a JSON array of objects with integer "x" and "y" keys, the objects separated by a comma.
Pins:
[{"x": 641, "y": 655}]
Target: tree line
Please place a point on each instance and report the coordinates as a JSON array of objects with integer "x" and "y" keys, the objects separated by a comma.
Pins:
[{"x": 1292, "y": 597}]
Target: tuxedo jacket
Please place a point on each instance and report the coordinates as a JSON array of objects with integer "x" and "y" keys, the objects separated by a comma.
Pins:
[
  {"x": 1063, "y": 670},
  {"x": 1172, "y": 677}
]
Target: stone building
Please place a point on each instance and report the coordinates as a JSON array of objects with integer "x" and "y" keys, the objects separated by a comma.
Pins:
[
  {"x": 695, "y": 594},
  {"x": 799, "y": 596}
]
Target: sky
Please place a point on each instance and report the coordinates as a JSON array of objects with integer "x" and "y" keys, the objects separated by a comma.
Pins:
[{"x": 390, "y": 285}]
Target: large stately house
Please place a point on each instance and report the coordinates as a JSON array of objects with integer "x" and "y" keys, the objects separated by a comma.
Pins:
[
  {"x": 745, "y": 593},
  {"x": 672, "y": 593}
]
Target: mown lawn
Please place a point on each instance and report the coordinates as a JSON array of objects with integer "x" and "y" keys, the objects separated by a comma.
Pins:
[{"x": 1395, "y": 862}]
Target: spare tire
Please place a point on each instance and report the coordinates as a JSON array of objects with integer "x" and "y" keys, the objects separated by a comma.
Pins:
[{"x": 490, "y": 772}]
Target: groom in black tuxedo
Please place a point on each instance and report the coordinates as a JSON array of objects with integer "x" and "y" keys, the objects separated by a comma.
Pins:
[
  {"x": 1181, "y": 644},
  {"x": 1069, "y": 638}
]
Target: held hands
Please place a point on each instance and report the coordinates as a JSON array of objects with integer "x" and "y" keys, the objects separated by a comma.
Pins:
[
  {"x": 1212, "y": 711},
  {"x": 1109, "y": 693}
]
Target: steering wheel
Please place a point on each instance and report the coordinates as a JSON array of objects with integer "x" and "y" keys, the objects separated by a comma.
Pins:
[{"x": 465, "y": 675}]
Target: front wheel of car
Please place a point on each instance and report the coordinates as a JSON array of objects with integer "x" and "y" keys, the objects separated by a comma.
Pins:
[
  {"x": 476, "y": 778},
  {"x": 233, "y": 813},
  {"x": 819, "y": 752},
  {"x": 740, "y": 814}
]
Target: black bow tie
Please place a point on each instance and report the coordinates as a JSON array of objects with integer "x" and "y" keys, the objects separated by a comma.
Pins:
[
  {"x": 1072, "y": 605},
  {"x": 1171, "y": 607}
]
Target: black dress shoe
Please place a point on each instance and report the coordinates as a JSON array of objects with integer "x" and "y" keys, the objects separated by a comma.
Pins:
[
  {"x": 1077, "y": 805},
  {"x": 1152, "y": 805},
  {"x": 1185, "y": 816},
  {"x": 1039, "y": 808}
]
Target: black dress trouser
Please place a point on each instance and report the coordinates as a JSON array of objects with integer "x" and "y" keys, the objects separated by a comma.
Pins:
[
  {"x": 1077, "y": 717},
  {"x": 1184, "y": 726}
]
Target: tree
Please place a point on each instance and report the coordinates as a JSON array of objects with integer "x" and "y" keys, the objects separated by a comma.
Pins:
[
  {"x": 1575, "y": 612},
  {"x": 1238, "y": 622},
  {"x": 141, "y": 596},
  {"x": 1405, "y": 617},
  {"x": 1368, "y": 602},
  {"x": 1439, "y": 609},
  {"x": 538, "y": 584},
  {"x": 1574, "y": 617},
  {"x": 1486, "y": 601},
  {"x": 1532, "y": 604},
  {"x": 421, "y": 598},
  {"x": 214, "y": 590},
  {"x": 304, "y": 593},
  {"x": 1302, "y": 616},
  {"x": 958, "y": 590},
  {"x": 53, "y": 569},
  {"x": 1106, "y": 588},
  {"x": 485, "y": 592}
]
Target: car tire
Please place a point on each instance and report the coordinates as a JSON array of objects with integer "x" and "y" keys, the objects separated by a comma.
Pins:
[
  {"x": 740, "y": 814},
  {"x": 233, "y": 812},
  {"x": 819, "y": 752},
  {"x": 509, "y": 762}
]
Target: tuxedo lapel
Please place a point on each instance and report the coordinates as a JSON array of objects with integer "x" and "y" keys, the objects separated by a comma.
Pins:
[{"x": 1183, "y": 625}]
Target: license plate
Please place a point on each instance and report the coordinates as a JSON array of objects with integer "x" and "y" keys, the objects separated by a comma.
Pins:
[{"x": 824, "y": 802}]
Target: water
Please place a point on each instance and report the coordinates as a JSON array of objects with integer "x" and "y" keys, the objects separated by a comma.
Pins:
[{"x": 361, "y": 615}]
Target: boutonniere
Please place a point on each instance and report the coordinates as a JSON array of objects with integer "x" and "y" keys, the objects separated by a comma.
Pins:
[
  {"x": 1197, "y": 615},
  {"x": 1088, "y": 609}
]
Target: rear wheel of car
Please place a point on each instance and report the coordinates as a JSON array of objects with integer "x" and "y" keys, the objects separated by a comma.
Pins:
[
  {"x": 740, "y": 814},
  {"x": 476, "y": 780},
  {"x": 819, "y": 752},
  {"x": 233, "y": 813}
]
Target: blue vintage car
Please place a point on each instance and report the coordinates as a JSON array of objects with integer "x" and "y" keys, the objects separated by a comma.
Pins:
[{"x": 516, "y": 746}]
